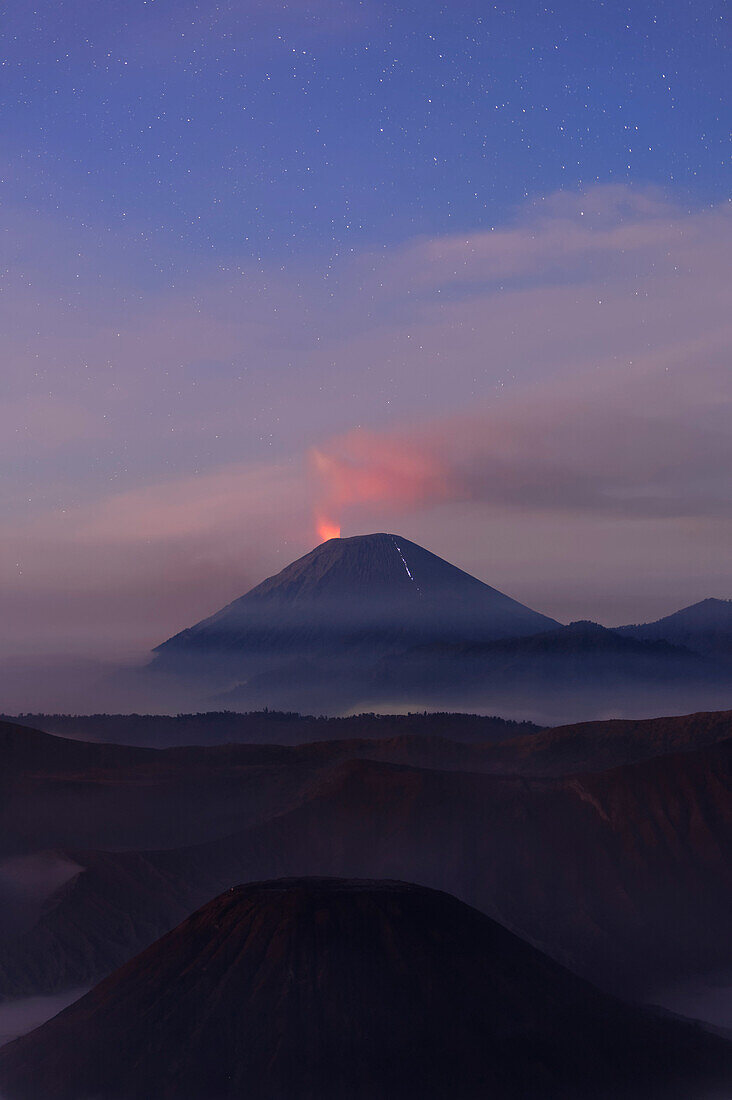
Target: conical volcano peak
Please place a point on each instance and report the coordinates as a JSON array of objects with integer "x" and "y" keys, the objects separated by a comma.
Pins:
[
  {"x": 373, "y": 537},
  {"x": 330, "y": 988},
  {"x": 378, "y": 590},
  {"x": 357, "y": 563}
]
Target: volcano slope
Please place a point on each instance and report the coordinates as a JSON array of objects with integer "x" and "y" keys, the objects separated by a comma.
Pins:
[
  {"x": 623, "y": 875},
  {"x": 325, "y": 989},
  {"x": 306, "y": 638},
  {"x": 377, "y": 621},
  {"x": 377, "y": 590}
]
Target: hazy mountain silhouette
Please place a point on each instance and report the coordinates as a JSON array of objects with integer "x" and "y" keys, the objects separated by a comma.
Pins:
[
  {"x": 351, "y": 599},
  {"x": 376, "y": 620},
  {"x": 565, "y": 674},
  {"x": 324, "y": 989},
  {"x": 560, "y": 675},
  {"x": 576, "y": 645},
  {"x": 705, "y": 627},
  {"x": 583, "y": 657}
]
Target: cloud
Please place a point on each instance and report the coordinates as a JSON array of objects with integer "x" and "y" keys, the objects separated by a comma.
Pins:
[
  {"x": 123, "y": 567},
  {"x": 614, "y": 229},
  {"x": 382, "y": 472},
  {"x": 564, "y": 376},
  {"x": 646, "y": 443},
  {"x": 212, "y": 505}
]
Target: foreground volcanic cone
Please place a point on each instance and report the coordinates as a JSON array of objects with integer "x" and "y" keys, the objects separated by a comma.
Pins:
[{"x": 328, "y": 988}]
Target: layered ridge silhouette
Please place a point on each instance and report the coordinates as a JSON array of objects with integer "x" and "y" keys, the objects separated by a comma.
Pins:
[
  {"x": 606, "y": 844},
  {"x": 376, "y": 619},
  {"x": 705, "y": 627}
]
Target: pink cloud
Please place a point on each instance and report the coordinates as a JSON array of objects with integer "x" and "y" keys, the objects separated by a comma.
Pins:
[
  {"x": 651, "y": 443},
  {"x": 382, "y": 472},
  {"x": 593, "y": 390}
]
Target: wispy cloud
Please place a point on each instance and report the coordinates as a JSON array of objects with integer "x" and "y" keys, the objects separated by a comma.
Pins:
[
  {"x": 612, "y": 231},
  {"x": 548, "y": 377},
  {"x": 649, "y": 442}
]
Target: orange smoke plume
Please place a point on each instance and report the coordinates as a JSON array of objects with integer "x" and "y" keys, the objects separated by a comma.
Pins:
[
  {"x": 372, "y": 471},
  {"x": 327, "y": 529}
]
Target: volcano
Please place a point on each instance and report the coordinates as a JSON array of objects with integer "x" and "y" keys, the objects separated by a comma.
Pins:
[
  {"x": 377, "y": 621},
  {"x": 350, "y": 599},
  {"x": 332, "y": 988}
]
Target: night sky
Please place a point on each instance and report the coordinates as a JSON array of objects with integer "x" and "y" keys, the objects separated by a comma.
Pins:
[{"x": 268, "y": 269}]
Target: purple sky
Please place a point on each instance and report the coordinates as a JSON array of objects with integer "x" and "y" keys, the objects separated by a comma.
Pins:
[
  {"x": 520, "y": 361},
  {"x": 547, "y": 404}
]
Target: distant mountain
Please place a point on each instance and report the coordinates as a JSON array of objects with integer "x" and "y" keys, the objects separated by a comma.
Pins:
[
  {"x": 566, "y": 674},
  {"x": 376, "y": 621},
  {"x": 579, "y": 639},
  {"x": 324, "y": 989},
  {"x": 351, "y": 598},
  {"x": 705, "y": 627},
  {"x": 558, "y": 675}
]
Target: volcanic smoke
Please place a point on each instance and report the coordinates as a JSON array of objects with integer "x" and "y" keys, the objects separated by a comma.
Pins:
[{"x": 327, "y": 529}]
